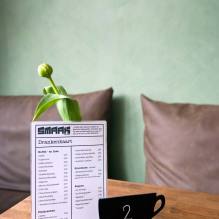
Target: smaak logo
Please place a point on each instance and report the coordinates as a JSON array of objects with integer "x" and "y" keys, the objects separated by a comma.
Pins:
[{"x": 54, "y": 130}]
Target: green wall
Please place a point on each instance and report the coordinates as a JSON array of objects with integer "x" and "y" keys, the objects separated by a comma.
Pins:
[{"x": 166, "y": 49}]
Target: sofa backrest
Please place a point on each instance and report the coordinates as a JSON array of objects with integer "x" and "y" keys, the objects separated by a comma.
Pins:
[
  {"x": 16, "y": 114},
  {"x": 181, "y": 143}
]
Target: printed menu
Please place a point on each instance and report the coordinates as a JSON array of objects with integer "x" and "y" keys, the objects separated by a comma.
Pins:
[{"x": 68, "y": 169}]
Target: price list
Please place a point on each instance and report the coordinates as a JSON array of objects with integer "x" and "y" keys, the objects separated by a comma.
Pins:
[{"x": 68, "y": 169}]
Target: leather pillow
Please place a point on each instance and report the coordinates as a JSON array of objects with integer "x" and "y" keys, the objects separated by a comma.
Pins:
[
  {"x": 181, "y": 143},
  {"x": 16, "y": 114}
]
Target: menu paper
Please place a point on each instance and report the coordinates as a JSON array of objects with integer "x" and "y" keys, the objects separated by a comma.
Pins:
[{"x": 68, "y": 169}]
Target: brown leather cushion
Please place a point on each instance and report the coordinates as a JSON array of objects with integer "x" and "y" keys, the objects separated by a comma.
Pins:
[
  {"x": 16, "y": 114},
  {"x": 181, "y": 143}
]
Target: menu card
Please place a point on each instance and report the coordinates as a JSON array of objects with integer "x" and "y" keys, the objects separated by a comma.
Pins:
[{"x": 68, "y": 169}]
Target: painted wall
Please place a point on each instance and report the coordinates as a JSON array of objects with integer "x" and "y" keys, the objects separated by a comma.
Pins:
[{"x": 168, "y": 50}]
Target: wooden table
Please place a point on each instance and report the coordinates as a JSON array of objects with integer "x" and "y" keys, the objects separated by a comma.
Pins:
[{"x": 180, "y": 204}]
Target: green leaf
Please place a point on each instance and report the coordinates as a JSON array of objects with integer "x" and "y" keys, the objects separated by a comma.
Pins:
[
  {"x": 62, "y": 90},
  {"x": 47, "y": 101},
  {"x": 49, "y": 90},
  {"x": 69, "y": 110}
]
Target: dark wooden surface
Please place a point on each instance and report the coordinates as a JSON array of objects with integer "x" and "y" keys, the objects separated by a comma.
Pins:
[{"x": 180, "y": 204}]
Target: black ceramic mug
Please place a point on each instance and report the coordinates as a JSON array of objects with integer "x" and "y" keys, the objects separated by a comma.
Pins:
[{"x": 131, "y": 207}]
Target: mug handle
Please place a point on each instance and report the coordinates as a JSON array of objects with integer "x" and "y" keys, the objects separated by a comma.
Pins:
[{"x": 162, "y": 199}]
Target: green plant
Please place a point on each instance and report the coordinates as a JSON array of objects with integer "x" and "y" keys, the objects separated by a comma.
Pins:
[{"x": 69, "y": 109}]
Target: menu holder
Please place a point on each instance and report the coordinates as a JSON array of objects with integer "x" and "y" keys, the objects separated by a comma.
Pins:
[{"x": 68, "y": 169}]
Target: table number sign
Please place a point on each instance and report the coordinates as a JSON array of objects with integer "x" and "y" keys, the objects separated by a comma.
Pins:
[
  {"x": 131, "y": 207},
  {"x": 68, "y": 169}
]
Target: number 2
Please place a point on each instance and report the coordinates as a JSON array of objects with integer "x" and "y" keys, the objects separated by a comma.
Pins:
[{"x": 124, "y": 207}]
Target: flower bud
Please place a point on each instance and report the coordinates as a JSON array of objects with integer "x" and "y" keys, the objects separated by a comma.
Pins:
[{"x": 45, "y": 70}]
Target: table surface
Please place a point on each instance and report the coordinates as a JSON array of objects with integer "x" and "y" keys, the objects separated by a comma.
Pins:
[{"x": 180, "y": 204}]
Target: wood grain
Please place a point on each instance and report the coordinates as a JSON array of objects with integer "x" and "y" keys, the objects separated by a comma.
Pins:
[{"x": 180, "y": 204}]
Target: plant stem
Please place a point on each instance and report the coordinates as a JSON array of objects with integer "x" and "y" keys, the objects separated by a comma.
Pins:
[{"x": 53, "y": 85}]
